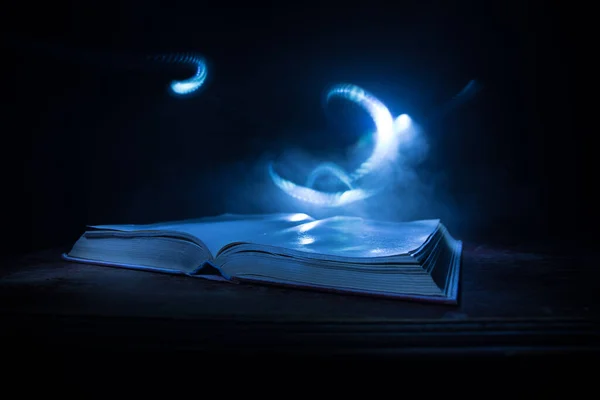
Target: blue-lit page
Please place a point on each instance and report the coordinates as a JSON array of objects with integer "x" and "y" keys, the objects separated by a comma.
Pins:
[
  {"x": 219, "y": 231},
  {"x": 350, "y": 237}
]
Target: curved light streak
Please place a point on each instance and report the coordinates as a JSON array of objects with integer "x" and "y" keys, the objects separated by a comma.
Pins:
[
  {"x": 192, "y": 84},
  {"x": 329, "y": 168},
  {"x": 387, "y": 140},
  {"x": 112, "y": 60},
  {"x": 317, "y": 197}
]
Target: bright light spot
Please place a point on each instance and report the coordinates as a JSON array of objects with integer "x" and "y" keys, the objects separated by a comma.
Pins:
[
  {"x": 183, "y": 88},
  {"x": 402, "y": 123},
  {"x": 308, "y": 226},
  {"x": 298, "y": 217},
  {"x": 304, "y": 240}
]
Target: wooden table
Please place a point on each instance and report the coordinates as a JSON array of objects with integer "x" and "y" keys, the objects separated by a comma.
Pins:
[{"x": 512, "y": 301}]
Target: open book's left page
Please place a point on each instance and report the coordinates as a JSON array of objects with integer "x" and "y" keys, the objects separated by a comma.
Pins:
[{"x": 219, "y": 231}]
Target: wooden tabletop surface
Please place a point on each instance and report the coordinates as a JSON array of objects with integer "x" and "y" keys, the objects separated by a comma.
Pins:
[{"x": 537, "y": 297}]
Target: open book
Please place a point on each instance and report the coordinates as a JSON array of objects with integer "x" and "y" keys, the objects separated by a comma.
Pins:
[{"x": 416, "y": 260}]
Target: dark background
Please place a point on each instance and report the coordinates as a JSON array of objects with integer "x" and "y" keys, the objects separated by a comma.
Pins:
[{"x": 88, "y": 138}]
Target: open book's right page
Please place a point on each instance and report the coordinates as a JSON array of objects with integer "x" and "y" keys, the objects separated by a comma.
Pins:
[
  {"x": 411, "y": 260},
  {"x": 351, "y": 237}
]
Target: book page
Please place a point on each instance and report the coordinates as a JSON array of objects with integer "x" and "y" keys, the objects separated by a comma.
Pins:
[
  {"x": 353, "y": 237},
  {"x": 336, "y": 236},
  {"x": 219, "y": 231}
]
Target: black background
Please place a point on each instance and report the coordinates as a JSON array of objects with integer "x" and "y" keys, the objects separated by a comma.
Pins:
[{"x": 89, "y": 139}]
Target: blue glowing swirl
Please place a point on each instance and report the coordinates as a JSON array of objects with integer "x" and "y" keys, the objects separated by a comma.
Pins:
[
  {"x": 120, "y": 61},
  {"x": 386, "y": 142},
  {"x": 387, "y": 139},
  {"x": 192, "y": 84},
  {"x": 329, "y": 168},
  {"x": 317, "y": 197}
]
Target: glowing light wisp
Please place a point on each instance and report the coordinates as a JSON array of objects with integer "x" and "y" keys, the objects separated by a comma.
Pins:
[
  {"x": 329, "y": 168},
  {"x": 317, "y": 197},
  {"x": 387, "y": 140},
  {"x": 192, "y": 84}
]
